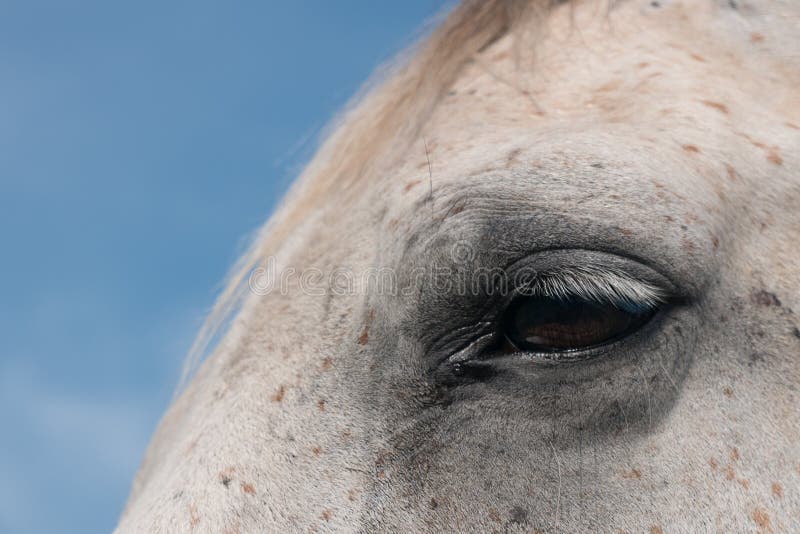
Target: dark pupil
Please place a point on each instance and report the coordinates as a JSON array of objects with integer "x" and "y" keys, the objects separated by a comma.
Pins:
[{"x": 556, "y": 325}]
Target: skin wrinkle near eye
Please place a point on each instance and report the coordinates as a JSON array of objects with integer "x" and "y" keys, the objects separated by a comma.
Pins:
[
  {"x": 525, "y": 215},
  {"x": 511, "y": 234}
]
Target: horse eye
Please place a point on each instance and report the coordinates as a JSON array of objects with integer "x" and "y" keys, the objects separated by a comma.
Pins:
[{"x": 545, "y": 324}]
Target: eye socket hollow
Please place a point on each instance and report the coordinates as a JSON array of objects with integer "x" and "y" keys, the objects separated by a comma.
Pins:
[{"x": 549, "y": 324}]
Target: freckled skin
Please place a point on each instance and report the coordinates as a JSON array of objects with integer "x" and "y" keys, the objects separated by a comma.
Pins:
[{"x": 663, "y": 138}]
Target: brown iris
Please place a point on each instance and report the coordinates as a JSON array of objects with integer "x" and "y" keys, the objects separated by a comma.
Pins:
[{"x": 544, "y": 324}]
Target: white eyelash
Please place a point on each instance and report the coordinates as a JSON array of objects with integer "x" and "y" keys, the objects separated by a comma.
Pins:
[{"x": 597, "y": 284}]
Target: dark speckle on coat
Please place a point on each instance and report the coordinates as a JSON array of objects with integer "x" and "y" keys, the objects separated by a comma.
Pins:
[
  {"x": 765, "y": 298},
  {"x": 519, "y": 515}
]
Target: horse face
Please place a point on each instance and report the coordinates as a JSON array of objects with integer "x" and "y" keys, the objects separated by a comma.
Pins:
[{"x": 651, "y": 148}]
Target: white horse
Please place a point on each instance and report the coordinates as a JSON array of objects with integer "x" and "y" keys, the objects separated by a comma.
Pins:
[{"x": 543, "y": 277}]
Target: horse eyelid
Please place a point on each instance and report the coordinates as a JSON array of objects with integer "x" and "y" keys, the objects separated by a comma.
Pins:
[{"x": 598, "y": 284}]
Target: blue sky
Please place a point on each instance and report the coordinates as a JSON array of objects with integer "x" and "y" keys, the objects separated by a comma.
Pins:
[{"x": 140, "y": 143}]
